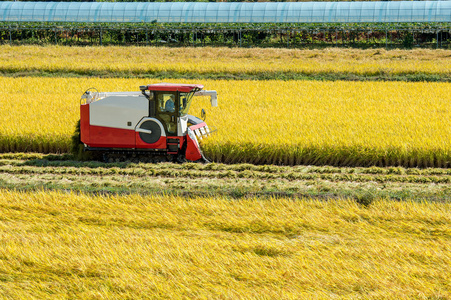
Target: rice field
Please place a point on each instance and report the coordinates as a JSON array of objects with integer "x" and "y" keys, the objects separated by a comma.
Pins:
[
  {"x": 145, "y": 61},
  {"x": 94, "y": 230},
  {"x": 261, "y": 122},
  {"x": 65, "y": 245}
]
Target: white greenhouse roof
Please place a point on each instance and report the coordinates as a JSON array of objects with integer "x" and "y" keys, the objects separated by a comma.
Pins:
[{"x": 227, "y": 12}]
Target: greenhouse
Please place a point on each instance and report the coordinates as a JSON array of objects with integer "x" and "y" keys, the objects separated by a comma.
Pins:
[
  {"x": 228, "y": 12},
  {"x": 389, "y": 24}
]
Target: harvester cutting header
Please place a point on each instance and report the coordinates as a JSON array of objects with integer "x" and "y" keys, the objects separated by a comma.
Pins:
[{"x": 153, "y": 122}]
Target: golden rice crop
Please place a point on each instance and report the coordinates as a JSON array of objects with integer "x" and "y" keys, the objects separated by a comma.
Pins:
[
  {"x": 141, "y": 60},
  {"x": 62, "y": 245},
  {"x": 281, "y": 122}
]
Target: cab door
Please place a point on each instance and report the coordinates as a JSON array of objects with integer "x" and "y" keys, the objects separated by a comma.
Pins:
[{"x": 167, "y": 111}]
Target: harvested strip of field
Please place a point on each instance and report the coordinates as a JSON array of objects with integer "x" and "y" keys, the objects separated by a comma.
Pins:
[
  {"x": 62, "y": 245},
  {"x": 261, "y": 122},
  {"x": 50, "y": 172},
  {"x": 226, "y": 63}
]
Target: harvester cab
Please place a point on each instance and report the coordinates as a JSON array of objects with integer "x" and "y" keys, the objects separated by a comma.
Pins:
[{"x": 153, "y": 122}]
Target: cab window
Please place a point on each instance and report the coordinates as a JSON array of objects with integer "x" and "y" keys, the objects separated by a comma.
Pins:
[
  {"x": 166, "y": 103},
  {"x": 185, "y": 102}
]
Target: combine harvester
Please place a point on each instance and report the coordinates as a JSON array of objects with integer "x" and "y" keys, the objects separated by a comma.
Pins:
[{"x": 150, "y": 125}]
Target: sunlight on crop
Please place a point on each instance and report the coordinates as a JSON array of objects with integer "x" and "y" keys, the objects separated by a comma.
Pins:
[
  {"x": 281, "y": 122},
  {"x": 56, "y": 244}
]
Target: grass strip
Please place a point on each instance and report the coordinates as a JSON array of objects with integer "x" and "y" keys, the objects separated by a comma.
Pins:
[
  {"x": 266, "y": 75},
  {"x": 236, "y": 181}
]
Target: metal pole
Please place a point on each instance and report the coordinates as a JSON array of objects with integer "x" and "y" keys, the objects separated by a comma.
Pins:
[
  {"x": 437, "y": 39},
  {"x": 10, "y": 36},
  {"x": 389, "y": 39},
  {"x": 310, "y": 32},
  {"x": 386, "y": 39},
  {"x": 288, "y": 40},
  {"x": 100, "y": 36},
  {"x": 240, "y": 37}
]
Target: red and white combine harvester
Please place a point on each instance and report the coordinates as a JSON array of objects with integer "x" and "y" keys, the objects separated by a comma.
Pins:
[{"x": 153, "y": 122}]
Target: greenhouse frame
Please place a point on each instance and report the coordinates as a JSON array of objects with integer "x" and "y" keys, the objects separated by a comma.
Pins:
[
  {"x": 228, "y": 12},
  {"x": 284, "y": 19}
]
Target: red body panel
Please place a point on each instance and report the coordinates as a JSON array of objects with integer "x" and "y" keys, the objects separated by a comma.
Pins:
[
  {"x": 106, "y": 137},
  {"x": 84, "y": 123},
  {"x": 160, "y": 144},
  {"x": 192, "y": 150}
]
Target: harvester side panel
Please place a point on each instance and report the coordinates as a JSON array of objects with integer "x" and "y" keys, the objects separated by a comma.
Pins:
[
  {"x": 122, "y": 112},
  {"x": 112, "y": 120},
  {"x": 111, "y": 137},
  {"x": 159, "y": 144}
]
